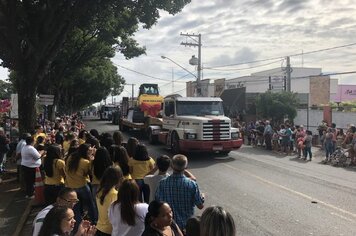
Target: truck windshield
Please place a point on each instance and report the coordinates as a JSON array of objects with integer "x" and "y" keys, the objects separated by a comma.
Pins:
[{"x": 199, "y": 108}]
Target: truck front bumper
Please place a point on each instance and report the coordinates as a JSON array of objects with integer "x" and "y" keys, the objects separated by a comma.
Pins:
[{"x": 209, "y": 146}]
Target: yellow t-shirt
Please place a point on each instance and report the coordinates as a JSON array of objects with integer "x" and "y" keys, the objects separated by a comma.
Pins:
[
  {"x": 36, "y": 135},
  {"x": 140, "y": 168},
  {"x": 103, "y": 223},
  {"x": 80, "y": 177},
  {"x": 66, "y": 145},
  {"x": 127, "y": 176},
  {"x": 81, "y": 141},
  {"x": 58, "y": 173}
]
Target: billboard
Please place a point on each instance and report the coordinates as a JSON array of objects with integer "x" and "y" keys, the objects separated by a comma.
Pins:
[
  {"x": 219, "y": 86},
  {"x": 345, "y": 93}
]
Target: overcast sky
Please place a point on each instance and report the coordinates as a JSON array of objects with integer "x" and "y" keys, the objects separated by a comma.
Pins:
[{"x": 235, "y": 32}]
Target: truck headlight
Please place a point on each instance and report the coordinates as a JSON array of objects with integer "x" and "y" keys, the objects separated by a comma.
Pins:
[
  {"x": 190, "y": 136},
  {"x": 235, "y": 135}
]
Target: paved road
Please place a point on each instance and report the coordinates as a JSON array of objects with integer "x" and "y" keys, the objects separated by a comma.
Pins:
[
  {"x": 269, "y": 194},
  {"x": 266, "y": 193}
]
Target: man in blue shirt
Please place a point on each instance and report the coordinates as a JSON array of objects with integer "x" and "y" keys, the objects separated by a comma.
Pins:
[{"x": 180, "y": 192}]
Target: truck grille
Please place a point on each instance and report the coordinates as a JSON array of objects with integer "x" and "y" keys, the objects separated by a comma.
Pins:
[{"x": 216, "y": 130}]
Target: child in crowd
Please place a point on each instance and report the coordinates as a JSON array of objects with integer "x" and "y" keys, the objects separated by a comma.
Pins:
[{"x": 308, "y": 144}]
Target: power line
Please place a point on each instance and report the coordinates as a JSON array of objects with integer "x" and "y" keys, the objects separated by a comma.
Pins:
[
  {"x": 140, "y": 73},
  {"x": 322, "y": 50},
  {"x": 238, "y": 69}
]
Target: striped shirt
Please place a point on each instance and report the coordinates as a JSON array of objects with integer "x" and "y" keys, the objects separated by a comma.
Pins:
[{"x": 182, "y": 194}]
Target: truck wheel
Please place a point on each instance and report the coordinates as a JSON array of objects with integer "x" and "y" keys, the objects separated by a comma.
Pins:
[
  {"x": 175, "y": 143},
  {"x": 152, "y": 139}
]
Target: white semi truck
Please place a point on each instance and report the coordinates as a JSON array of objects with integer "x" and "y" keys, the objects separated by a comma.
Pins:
[{"x": 195, "y": 124}]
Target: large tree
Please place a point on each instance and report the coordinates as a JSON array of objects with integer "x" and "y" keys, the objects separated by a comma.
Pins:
[
  {"x": 88, "y": 85},
  {"x": 277, "y": 106},
  {"x": 32, "y": 32}
]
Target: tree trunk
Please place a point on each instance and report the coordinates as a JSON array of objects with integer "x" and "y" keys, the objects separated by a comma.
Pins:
[{"x": 27, "y": 108}]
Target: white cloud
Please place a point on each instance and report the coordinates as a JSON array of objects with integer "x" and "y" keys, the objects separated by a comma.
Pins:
[{"x": 240, "y": 31}]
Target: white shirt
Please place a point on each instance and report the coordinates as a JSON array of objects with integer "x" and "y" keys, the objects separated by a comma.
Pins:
[
  {"x": 38, "y": 221},
  {"x": 120, "y": 228},
  {"x": 152, "y": 181},
  {"x": 30, "y": 157},
  {"x": 19, "y": 147}
]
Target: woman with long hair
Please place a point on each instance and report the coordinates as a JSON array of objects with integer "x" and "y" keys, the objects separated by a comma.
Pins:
[
  {"x": 120, "y": 158},
  {"x": 101, "y": 161},
  {"x": 67, "y": 140},
  {"x": 140, "y": 165},
  {"x": 159, "y": 220},
  {"x": 106, "y": 195},
  {"x": 118, "y": 138},
  {"x": 127, "y": 214},
  {"x": 131, "y": 146},
  {"x": 54, "y": 173},
  {"x": 77, "y": 177},
  {"x": 60, "y": 221},
  {"x": 82, "y": 136}
]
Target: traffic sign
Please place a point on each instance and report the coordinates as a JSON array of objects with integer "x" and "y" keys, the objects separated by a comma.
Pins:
[{"x": 46, "y": 99}]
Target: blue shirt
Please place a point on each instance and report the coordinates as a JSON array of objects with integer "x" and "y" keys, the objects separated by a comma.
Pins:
[{"x": 182, "y": 194}]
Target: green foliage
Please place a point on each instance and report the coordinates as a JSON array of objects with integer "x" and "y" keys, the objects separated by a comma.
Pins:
[
  {"x": 90, "y": 84},
  {"x": 48, "y": 42},
  {"x": 6, "y": 89},
  {"x": 277, "y": 106}
]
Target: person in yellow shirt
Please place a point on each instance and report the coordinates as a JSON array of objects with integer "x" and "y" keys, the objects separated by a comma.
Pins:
[
  {"x": 131, "y": 146},
  {"x": 120, "y": 158},
  {"x": 67, "y": 140},
  {"x": 140, "y": 165},
  {"x": 81, "y": 136},
  {"x": 107, "y": 194},
  {"x": 101, "y": 161},
  {"x": 77, "y": 172},
  {"x": 39, "y": 132},
  {"x": 54, "y": 173}
]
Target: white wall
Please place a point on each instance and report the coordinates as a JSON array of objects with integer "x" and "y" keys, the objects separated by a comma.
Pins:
[{"x": 341, "y": 119}]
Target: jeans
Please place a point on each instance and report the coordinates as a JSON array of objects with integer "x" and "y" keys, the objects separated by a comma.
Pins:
[
  {"x": 144, "y": 190},
  {"x": 328, "y": 149},
  {"x": 268, "y": 141},
  {"x": 86, "y": 201},
  {"x": 29, "y": 177},
  {"x": 306, "y": 151}
]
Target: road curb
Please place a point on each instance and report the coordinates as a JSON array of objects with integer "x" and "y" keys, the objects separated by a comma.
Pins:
[
  {"x": 7, "y": 180},
  {"x": 23, "y": 219}
]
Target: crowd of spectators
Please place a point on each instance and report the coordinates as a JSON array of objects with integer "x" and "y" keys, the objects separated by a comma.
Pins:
[
  {"x": 289, "y": 139},
  {"x": 98, "y": 184}
]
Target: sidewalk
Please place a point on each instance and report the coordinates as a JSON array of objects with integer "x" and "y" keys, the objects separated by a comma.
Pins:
[{"x": 14, "y": 207}]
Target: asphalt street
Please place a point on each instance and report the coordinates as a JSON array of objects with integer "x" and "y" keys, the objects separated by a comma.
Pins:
[
  {"x": 272, "y": 194},
  {"x": 267, "y": 193}
]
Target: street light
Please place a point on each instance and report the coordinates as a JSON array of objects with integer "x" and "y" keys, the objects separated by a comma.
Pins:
[{"x": 164, "y": 57}]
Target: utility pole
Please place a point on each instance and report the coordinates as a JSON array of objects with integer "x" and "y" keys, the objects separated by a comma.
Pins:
[
  {"x": 196, "y": 43},
  {"x": 289, "y": 72},
  {"x": 132, "y": 93}
]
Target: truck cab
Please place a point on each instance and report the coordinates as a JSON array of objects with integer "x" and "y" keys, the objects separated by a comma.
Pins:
[{"x": 196, "y": 124}]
